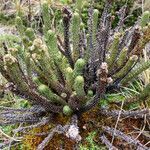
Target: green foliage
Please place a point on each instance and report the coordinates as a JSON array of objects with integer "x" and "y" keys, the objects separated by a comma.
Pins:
[
  {"x": 44, "y": 90},
  {"x": 20, "y": 26},
  {"x": 99, "y": 5},
  {"x": 95, "y": 23},
  {"x": 69, "y": 78},
  {"x": 145, "y": 18},
  {"x": 145, "y": 94},
  {"x": 30, "y": 34},
  {"x": 132, "y": 60},
  {"x": 52, "y": 45},
  {"x": 53, "y": 73},
  {"x": 7, "y": 129},
  {"x": 65, "y": 1},
  {"x": 122, "y": 57},
  {"x": 140, "y": 68},
  {"x": 79, "y": 86},
  {"x": 63, "y": 72},
  {"x": 79, "y": 66},
  {"x": 6, "y": 20},
  {"x": 46, "y": 16},
  {"x": 9, "y": 38},
  {"x": 114, "y": 49},
  {"x": 91, "y": 143}
]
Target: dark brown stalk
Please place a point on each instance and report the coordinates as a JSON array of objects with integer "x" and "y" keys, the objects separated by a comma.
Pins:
[
  {"x": 66, "y": 21},
  {"x": 121, "y": 14},
  {"x": 100, "y": 91},
  {"x": 135, "y": 38}
]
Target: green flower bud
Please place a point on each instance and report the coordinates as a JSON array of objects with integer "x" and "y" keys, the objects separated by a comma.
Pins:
[
  {"x": 96, "y": 11},
  {"x": 82, "y": 25},
  {"x": 67, "y": 110},
  {"x": 80, "y": 63},
  {"x": 20, "y": 26},
  {"x": 30, "y": 33},
  {"x": 52, "y": 45},
  {"x": 79, "y": 66},
  {"x": 69, "y": 78},
  {"x": 79, "y": 79},
  {"x": 79, "y": 86},
  {"x": 95, "y": 23},
  {"x": 69, "y": 70},
  {"x": 90, "y": 93},
  {"x": 43, "y": 88}
]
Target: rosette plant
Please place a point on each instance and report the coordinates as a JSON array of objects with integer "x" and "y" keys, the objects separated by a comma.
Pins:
[{"x": 67, "y": 70}]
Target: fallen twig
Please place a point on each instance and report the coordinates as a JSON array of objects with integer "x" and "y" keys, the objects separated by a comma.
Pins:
[
  {"x": 71, "y": 131},
  {"x": 107, "y": 142},
  {"x": 130, "y": 114},
  {"x": 125, "y": 137}
]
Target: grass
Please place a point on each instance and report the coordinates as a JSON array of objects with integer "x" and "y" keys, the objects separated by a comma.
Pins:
[{"x": 146, "y": 73}]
